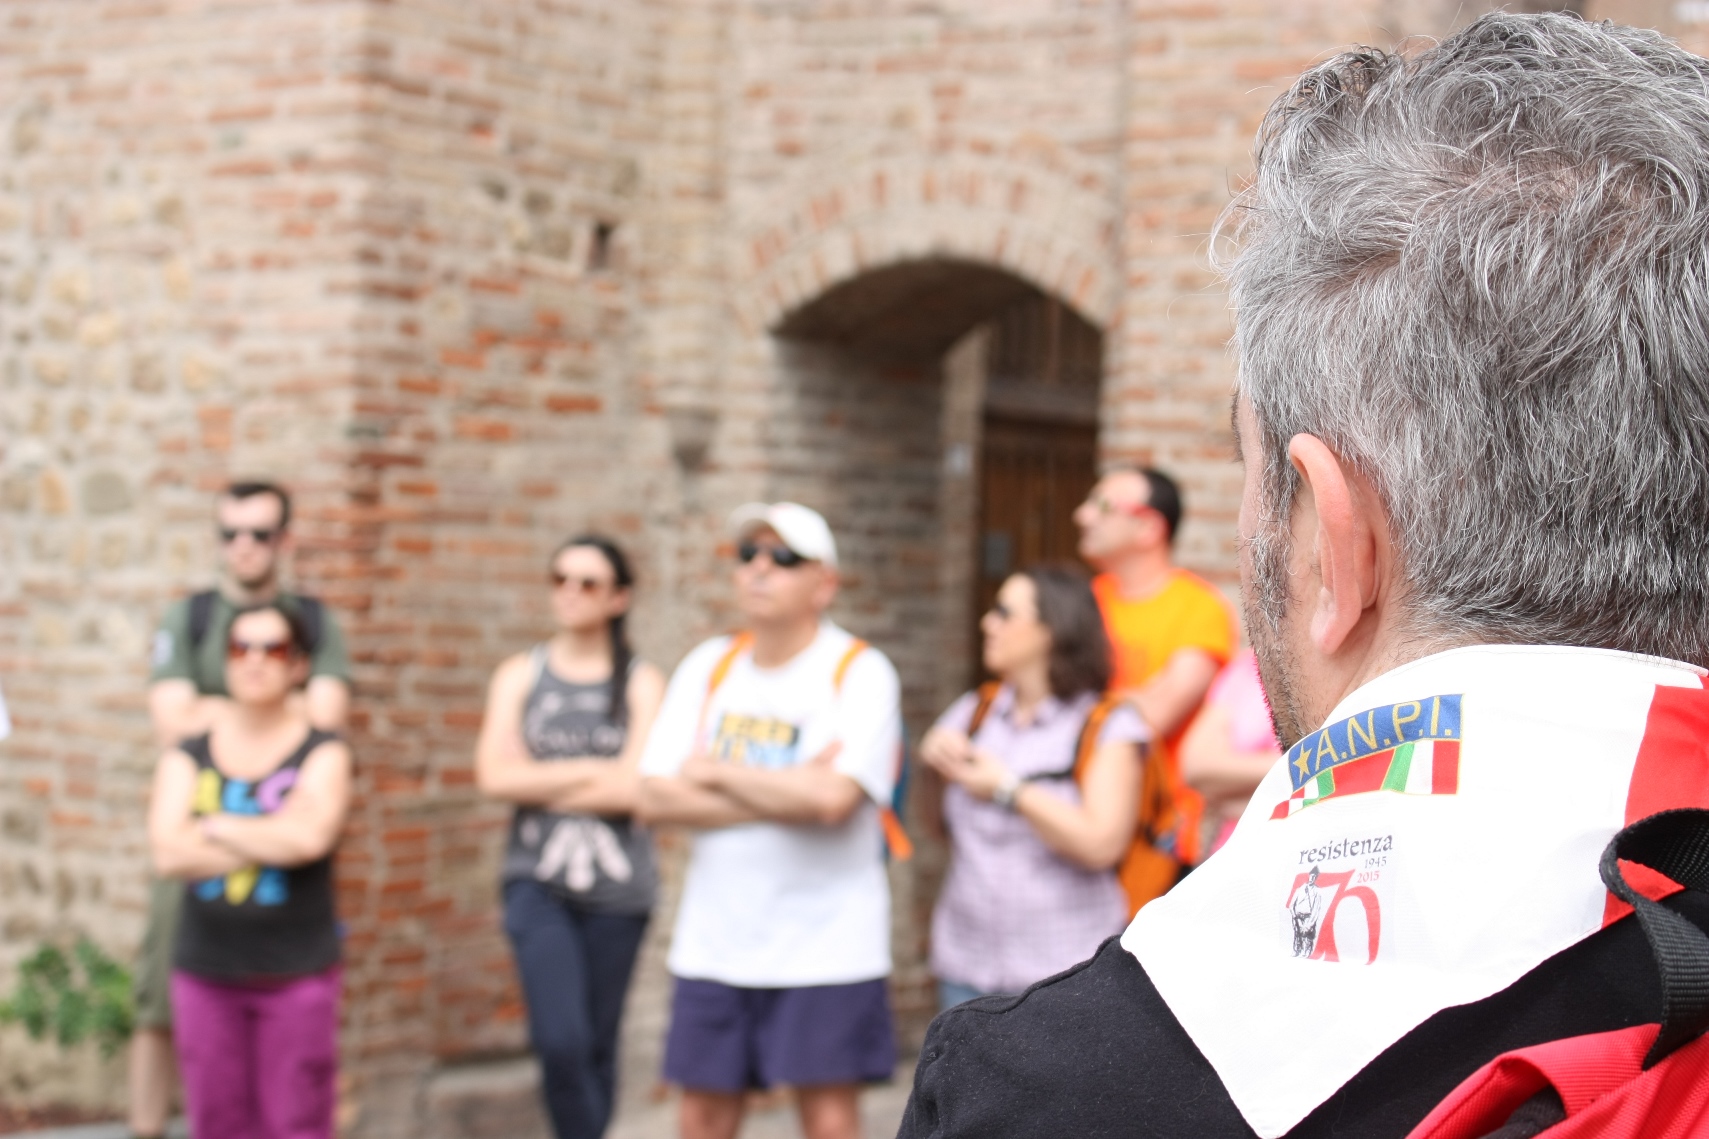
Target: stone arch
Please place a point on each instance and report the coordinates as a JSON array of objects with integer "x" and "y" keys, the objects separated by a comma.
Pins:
[{"x": 1039, "y": 224}]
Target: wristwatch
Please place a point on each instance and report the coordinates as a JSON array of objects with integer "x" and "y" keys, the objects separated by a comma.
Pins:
[{"x": 1004, "y": 795}]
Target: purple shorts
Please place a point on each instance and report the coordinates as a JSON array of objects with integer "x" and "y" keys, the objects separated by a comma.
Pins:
[{"x": 725, "y": 1039}]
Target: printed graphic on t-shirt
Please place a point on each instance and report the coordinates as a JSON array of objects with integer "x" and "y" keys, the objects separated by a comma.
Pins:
[
  {"x": 264, "y": 885},
  {"x": 572, "y": 849},
  {"x": 556, "y": 725},
  {"x": 756, "y": 741}
]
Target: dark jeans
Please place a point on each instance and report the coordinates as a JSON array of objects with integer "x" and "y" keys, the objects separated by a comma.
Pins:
[{"x": 575, "y": 968}]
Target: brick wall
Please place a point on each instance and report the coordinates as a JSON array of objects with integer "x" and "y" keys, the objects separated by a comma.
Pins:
[
  {"x": 474, "y": 275},
  {"x": 178, "y": 276}
]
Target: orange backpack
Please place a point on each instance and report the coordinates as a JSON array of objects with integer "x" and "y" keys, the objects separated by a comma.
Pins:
[
  {"x": 896, "y": 840},
  {"x": 1145, "y": 871}
]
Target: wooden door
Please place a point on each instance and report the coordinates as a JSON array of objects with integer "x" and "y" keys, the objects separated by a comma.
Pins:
[{"x": 1033, "y": 475}]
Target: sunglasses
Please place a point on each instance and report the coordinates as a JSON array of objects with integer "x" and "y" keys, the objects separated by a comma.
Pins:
[
  {"x": 263, "y": 535},
  {"x": 583, "y": 585},
  {"x": 781, "y": 556},
  {"x": 1001, "y": 612},
  {"x": 1105, "y": 505},
  {"x": 236, "y": 649}
]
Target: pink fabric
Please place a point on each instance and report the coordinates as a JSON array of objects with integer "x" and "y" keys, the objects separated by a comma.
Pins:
[
  {"x": 259, "y": 1061},
  {"x": 1238, "y": 691}
]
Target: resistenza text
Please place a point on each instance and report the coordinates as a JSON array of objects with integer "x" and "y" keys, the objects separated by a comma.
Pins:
[{"x": 1347, "y": 848}]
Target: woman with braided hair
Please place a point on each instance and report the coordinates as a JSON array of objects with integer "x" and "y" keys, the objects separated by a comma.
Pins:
[{"x": 565, "y": 725}]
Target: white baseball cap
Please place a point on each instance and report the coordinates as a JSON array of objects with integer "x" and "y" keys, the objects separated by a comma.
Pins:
[{"x": 803, "y": 529}]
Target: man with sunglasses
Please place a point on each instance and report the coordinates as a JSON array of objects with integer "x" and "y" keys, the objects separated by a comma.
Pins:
[
  {"x": 779, "y": 744},
  {"x": 1170, "y": 631},
  {"x": 186, "y": 691}
]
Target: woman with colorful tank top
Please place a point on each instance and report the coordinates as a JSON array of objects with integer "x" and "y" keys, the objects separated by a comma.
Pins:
[
  {"x": 562, "y": 739},
  {"x": 1044, "y": 778},
  {"x": 248, "y": 814}
]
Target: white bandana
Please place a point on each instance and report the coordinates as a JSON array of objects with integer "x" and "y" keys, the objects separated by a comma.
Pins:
[{"x": 1434, "y": 842}]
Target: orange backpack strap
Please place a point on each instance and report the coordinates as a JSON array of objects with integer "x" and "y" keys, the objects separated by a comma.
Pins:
[
  {"x": 856, "y": 647},
  {"x": 1154, "y": 797},
  {"x": 738, "y": 645},
  {"x": 1089, "y": 733},
  {"x": 982, "y": 706},
  {"x": 896, "y": 838}
]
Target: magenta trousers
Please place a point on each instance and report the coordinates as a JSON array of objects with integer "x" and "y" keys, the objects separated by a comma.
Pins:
[{"x": 258, "y": 1061}]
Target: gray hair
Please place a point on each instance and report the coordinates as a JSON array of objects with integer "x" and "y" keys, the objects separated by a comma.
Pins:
[{"x": 1481, "y": 275}]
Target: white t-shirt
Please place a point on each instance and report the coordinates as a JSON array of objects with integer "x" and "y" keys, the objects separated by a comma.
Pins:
[
  {"x": 775, "y": 905},
  {"x": 5, "y": 719}
]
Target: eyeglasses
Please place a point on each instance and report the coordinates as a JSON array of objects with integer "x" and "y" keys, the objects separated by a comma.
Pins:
[
  {"x": 781, "y": 556},
  {"x": 584, "y": 585},
  {"x": 263, "y": 535},
  {"x": 1106, "y": 505},
  {"x": 236, "y": 649}
]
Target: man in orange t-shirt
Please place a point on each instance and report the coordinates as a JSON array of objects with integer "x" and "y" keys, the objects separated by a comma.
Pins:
[{"x": 1171, "y": 631}]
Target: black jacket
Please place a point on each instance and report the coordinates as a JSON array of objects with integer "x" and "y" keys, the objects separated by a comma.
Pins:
[{"x": 1095, "y": 1051}]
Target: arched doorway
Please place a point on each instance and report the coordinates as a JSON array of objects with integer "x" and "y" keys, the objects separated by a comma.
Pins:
[
  {"x": 987, "y": 378},
  {"x": 944, "y": 415}
]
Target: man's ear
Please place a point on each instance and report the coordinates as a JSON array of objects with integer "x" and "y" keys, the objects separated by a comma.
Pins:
[
  {"x": 1158, "y": 529},
  {"x": 825, "y": 591},
  {"x": 1342, "y": 547}
]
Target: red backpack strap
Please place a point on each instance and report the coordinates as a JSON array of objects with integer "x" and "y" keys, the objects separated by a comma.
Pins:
[
  {"x": 738, "y": 645},
  {"x": 1630, "y": 1083}
]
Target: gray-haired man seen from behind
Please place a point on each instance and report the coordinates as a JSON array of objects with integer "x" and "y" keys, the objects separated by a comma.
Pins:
[{"x": 1470, "y": 297}]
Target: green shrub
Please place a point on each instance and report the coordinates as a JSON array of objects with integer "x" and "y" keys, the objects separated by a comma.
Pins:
[{"x": 87, "y": 994}]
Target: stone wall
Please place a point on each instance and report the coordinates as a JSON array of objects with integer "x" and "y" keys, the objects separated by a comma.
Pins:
[
  {"x": 180, "y": 297},
  {"x": 471, "y": 276},
  {"x": 497, "y": 412}
]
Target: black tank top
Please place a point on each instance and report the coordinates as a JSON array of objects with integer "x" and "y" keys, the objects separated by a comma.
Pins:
[
  {"x": 262, "y": 922},
  {"x": 602, "y": 863}
]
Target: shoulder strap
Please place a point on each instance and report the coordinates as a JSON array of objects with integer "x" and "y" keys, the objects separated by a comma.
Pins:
[
  {"x": 1087, "y": 746},
  {"x": 738, "y": 645},
  {"x": 1676, "y": 844},
  {"x": 896, "y": 840},
  {"x": 312, "y": 612},
  {"x": 201, "y": 616},
  {"x": 982, "y": 706},
  {"x": 536, "y": 665},
  {"x": 856, "y": 647},
  {"x": 314, "y": 739},
  {"x": 198, "y": 749}
]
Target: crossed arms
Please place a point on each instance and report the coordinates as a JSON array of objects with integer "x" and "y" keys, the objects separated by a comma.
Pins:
[
  {"x": 705, "y": 793},
  {"x": 304, "y": 828},
  {"x": 505, "y": 770}
]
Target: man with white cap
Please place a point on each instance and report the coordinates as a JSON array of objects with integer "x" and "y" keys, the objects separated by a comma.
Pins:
[{"x": 780, "y": 744}]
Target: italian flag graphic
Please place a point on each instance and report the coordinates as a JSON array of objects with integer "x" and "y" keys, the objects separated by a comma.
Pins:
[{"x": 1424, "y": 767}]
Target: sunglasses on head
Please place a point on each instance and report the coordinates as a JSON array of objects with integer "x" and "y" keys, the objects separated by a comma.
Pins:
[
  {"x": 781, "y": 556},
  {"x": 582, "y": 584},
  {"x": 237, "y": 649},
  {"x": 263, "y": 535}
]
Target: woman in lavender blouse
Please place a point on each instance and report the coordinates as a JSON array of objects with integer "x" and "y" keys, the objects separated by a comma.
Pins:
[{"x": 1032, "y": 886}]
